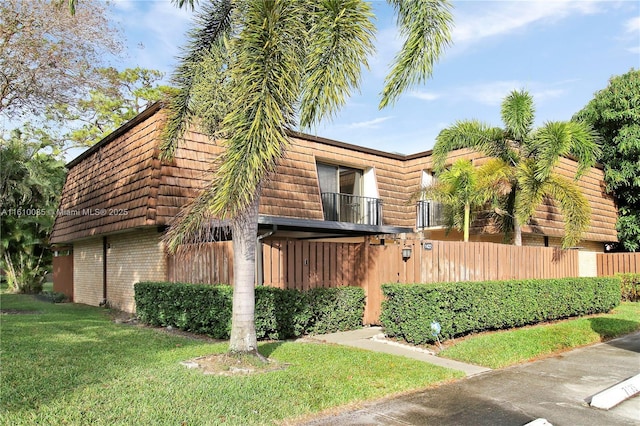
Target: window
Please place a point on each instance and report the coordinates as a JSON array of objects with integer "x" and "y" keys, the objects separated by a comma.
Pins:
[
  {"x": 339, "y": 179},
  {"x": 342, "y": 191},
  {"x": 429, "y": 213}
]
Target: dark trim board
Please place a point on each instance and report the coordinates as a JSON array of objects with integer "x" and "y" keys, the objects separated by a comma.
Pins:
[{"x": 324, "y": 227}]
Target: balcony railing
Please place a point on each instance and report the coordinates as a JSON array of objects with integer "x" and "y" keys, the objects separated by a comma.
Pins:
[
  {"x": 429, "y": 214},
  {"x": 352, "y": 208}
]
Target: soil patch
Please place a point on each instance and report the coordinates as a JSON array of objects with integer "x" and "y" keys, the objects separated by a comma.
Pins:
[
  {"x": 17, "y": 312},
  {"x": 234, "y": 365}
]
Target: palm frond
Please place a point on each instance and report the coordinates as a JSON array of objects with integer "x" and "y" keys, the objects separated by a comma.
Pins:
[
  {"x": 562, "y": 138},
  {"x": 267, "y": 71},
  {"x": 212, "y": 25},
  {"x": 518, "y": 113},
  {"x": 549, "y": 143},
  {"x": 211, "y": 92},
  {"x": 495, "y": 179},
  {"x": 585, "y": 145},
  {"x": 341, "y": 38},
  {"x": 189, "y": 4},
  {"x": 425, "y": 24},
  {"x": 196, "y": 222},
  {"x": 468, "y": 134},
  {"x": 574, "y": 205},
  {"x": 531, "y": 191}
]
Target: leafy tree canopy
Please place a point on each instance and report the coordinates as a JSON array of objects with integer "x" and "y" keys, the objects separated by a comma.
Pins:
[
  {"x": 123, "y": 95},
  {"x": 48, "y": 56},
  {"x": 615, "y": 113}
]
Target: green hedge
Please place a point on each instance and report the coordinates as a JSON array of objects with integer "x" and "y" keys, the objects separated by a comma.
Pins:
[
  {"x": 280, "y": 314},
  {"x": 468, "y": 307},
  {"x": 630, "y": 287}
]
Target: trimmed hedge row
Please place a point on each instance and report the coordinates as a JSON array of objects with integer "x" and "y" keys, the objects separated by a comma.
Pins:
[
  {"x": 279, "y": 314},
  {"x": 468, "y": 307}
]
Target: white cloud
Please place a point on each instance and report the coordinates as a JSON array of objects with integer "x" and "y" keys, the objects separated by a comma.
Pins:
[
  {"x": 425, "y": 96},
  {"x": 370, "y": 124},
  {"x": 632, "y": 25},
  {"x": 492, "y": 93},
  {"x": 488, "y": 93},
  {"x": 506, "y": 17},
  {"x": 634, "y": 50}
]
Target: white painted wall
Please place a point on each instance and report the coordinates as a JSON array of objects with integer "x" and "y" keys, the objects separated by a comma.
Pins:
[
  {"x": 587, "y": 264},
  {"x": 369, "y": 183}
]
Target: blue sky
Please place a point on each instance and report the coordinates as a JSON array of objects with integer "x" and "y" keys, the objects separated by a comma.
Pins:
[{"x": 562, "y": 52}]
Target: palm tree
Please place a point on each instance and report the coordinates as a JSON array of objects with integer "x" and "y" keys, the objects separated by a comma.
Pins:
[
  {"x": 463, "y": 189},
  {"x": 252, "y": 71},
  {"x": 528, "y": 159}
]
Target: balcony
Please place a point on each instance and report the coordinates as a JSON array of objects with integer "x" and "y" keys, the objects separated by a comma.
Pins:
[
  {"x": 430, "y": 214},
  {"x": 352, "y": 208}
]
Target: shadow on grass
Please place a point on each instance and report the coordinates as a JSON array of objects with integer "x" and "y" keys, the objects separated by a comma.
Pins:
[
  {"x": 267, "y": 349},
  {"x": 609, "y": 328}
]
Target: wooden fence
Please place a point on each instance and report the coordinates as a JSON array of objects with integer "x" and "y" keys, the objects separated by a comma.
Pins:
[
  {"x": 211, "y": 263},
  {"x": 614, "y": 263},
  {"x": 304, "y": 265}
]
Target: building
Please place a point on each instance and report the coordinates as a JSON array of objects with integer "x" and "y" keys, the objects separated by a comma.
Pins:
[{"x": 119, "y": 198}]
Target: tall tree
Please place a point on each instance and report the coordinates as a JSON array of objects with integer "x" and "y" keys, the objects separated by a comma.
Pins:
[
  {"x": 528, "y": 156},
  {"x": 30, "y": 183},
  {"x": 48, "y": 56},
  {"x": 615, "y": 113},
  {"x": 123, "y": 95},
  {"x": 279, "y": 63}
]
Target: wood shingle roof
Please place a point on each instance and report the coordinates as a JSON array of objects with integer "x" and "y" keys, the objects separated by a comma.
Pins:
[{"x": 120, "y": 183}]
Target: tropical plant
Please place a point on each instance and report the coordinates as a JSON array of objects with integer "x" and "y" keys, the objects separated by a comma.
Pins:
[
  {"x": 30, "y": 183},
  {"x": 272, "y": 65},
  {"x": 615, "y": 113},
  {"x": 463, "y": 190},
  {"x": 528, "y": 157}
]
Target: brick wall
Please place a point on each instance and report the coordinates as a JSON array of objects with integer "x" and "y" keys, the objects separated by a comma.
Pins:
[
  {"x": 131, "y": 257},
  {"x": 87, "y": 271}
]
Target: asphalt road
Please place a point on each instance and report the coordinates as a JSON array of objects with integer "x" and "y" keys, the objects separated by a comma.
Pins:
[{"x": 557, "y": 389}]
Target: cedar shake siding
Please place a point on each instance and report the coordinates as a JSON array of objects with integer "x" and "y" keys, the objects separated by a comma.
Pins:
[{"x": 120, "y": 185}]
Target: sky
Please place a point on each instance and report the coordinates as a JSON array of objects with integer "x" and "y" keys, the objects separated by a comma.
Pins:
[{"x": 561, "y": 52}]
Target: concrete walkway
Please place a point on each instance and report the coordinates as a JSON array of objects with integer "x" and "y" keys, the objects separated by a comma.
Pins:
[
  {"x": 363, "y": 339},
  {"x": 558, "y": 389}
]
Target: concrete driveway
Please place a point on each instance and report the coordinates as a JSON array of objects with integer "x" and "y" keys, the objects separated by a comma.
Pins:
[{"x": 557, "y": 389}]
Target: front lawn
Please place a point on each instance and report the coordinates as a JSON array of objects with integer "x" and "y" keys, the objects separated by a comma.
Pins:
[
  {"x": 502, "y": 348},
  {"x": 70, "y": 364}
]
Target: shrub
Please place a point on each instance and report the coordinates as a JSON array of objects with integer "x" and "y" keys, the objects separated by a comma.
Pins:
[
  {"x": 630, "y": 287},
  {"x": 468, "y": 307},
  {"x": 279, "y": 314},
  {"x": 53, "y": 296}
]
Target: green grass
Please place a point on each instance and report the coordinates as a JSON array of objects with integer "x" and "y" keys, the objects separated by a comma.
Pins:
[
  {"x": 503, "y": 348},
  {"x": 70, "y": 364}
]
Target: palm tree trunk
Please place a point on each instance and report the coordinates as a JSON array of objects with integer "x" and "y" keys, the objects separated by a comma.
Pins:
[
  {"x": 517, "y": 233},
  {"x": 243, "y": 330},
  {"x": 467, "y": 216}
]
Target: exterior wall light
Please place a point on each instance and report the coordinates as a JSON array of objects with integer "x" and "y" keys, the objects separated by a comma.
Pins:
[{"x": 406, "y": 253}]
